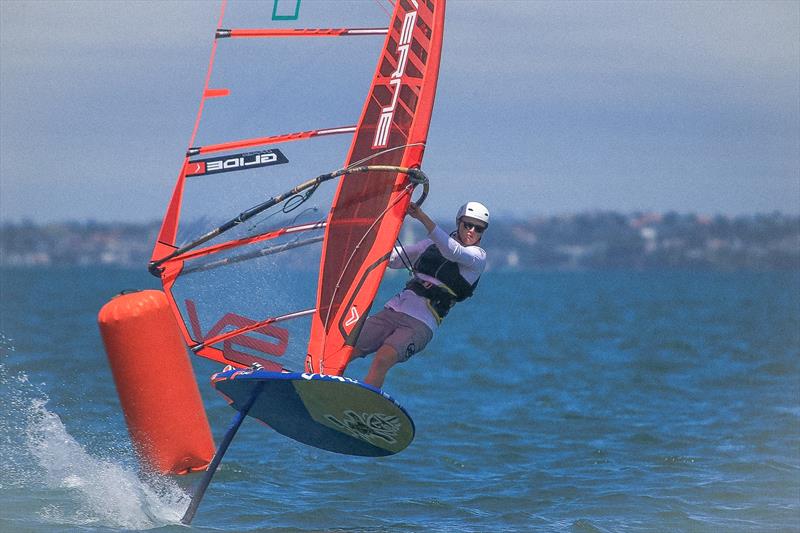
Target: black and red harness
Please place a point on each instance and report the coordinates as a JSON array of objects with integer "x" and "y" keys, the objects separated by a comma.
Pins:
[{"x": 454, "y": 288}]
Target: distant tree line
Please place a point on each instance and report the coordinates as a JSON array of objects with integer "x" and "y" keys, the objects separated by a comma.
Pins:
[
  {"x": 605, "y": 240},
  {"x": 597, "y": 240}
]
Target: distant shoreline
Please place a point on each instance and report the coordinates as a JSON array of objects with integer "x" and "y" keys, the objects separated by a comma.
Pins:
[{"x": 581, "y": 241}]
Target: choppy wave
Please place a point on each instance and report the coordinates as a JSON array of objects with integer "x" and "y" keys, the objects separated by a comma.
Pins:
[{"x": 76, "y": 486}]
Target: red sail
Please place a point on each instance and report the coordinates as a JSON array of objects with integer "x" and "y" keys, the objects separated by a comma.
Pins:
[
  {"x": 242, "y": 237},
  {"x": 369, "y": 207}
]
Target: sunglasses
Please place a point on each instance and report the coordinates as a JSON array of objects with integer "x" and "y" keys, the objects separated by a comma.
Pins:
[{"x": 468, "y": 226}]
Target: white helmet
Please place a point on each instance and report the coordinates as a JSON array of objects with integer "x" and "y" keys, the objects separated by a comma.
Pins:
[{"x": 474, "y": 210}]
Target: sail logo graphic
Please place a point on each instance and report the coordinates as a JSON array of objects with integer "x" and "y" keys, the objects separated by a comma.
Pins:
[
  {"x": 268, "y": 340},
  {"x": 403, "y": 46},
  {"x": 230, "y": 163},
  {"x": 354, "y": 316}
]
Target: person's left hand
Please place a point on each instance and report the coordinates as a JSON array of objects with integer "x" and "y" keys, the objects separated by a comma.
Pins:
[{"x": 414, "y": 211}]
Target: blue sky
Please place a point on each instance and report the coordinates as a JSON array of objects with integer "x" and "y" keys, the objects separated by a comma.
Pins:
[{"x": 542, "y": 108}]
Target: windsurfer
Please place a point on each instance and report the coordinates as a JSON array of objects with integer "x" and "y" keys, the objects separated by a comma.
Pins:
[{"x": 446, "y": 271}]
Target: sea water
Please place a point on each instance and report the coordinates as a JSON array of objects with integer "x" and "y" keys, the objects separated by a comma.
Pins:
[{"x": 577, "y": 401}]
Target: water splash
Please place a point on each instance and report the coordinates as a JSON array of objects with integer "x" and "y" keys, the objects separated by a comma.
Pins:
[
  {"x": 106, "y": 492},
  {"x": 80, "y": 488}
]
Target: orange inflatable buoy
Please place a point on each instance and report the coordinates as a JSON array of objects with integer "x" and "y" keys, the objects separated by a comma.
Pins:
[{"x": 155, "y": 383}]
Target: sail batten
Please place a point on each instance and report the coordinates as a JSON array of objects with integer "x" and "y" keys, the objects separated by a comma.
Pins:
[
  {"x": 264, "y": 141},
  {"x": 249, "y": 240},
  {"x": 298, "y": 32}
]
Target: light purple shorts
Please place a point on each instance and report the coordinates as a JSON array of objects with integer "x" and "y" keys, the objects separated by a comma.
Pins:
[{"x": 405, "y": 334}]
